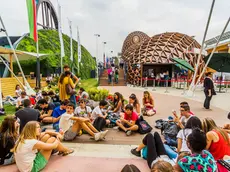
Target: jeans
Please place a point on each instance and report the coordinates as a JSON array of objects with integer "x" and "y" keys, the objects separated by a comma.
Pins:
[
  {"x": 109, "y": 79},
  {"x": 170, "y": 141},
  {"x": 73, "y": 100},
  {"x": 170, "y": 152}
]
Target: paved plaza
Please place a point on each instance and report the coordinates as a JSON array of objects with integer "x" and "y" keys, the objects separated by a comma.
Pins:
[{"x": 113, "y": 153}]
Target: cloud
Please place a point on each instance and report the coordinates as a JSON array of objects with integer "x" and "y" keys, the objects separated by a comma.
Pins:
[{"x": 115, "y": 19}]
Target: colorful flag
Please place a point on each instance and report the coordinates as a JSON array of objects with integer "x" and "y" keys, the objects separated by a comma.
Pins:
[
  {"x": 79, "y": 46},
  {"x": 31, "y": 8}
]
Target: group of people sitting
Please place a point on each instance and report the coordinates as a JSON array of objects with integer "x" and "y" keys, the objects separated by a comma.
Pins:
[
  {"x": 200, "y": 145},
  {"x": 27, "y": 140}
]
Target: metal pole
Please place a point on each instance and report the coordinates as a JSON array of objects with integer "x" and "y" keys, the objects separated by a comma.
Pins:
[
  {"x": 213, "y": 51},
  {"x": 154, "y": 85},
  {"x": 97, "y": 75},
  {"x": 191, "y": 88}
]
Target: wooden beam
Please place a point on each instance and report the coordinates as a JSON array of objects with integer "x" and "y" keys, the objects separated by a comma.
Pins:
[{"x": 11, "y": 65}]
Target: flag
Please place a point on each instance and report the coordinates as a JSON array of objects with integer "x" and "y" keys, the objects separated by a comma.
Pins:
[
  {"x": 79, "y": 46},
  {"x": 71, "y": 41},
  {"x": 60, "y": 32},
  {"x": 31, "y": 8}
]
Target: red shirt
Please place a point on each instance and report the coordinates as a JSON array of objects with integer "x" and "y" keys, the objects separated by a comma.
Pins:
[
  {"x": 220, "y": 148},
  {"x": 133, "y": 117}
]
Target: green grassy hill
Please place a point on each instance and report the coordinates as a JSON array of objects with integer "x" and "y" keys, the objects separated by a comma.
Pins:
[{"x": 49, "y": 44}]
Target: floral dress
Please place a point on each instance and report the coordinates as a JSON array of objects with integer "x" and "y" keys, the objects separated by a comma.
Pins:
[{"x": 203, "y": 162}]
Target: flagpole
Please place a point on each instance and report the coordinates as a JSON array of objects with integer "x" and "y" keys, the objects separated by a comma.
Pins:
[
  {"x": 213, "y": 51},
  {"x": 191, "y": 88}
]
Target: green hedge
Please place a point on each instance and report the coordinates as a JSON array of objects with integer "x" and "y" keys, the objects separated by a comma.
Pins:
[{"x": 49, "y": 44}]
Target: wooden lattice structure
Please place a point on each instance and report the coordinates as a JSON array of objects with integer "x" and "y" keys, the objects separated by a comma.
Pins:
[{"x": 139, "y": 49}]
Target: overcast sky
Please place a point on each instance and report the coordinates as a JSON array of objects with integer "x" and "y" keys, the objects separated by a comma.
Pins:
[{"x": 115, "y": 19}]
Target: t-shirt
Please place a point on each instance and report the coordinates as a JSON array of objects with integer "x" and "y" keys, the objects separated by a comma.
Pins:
[
  {"x": 18, "y": 92},
  {"x": 96, "y": 112},
  {"x": 26, "y": 115},
  {"x": 82, "y": 112},
  {"x": 25, "y": 155},
  {"x": 20, "y": 99},
  {"x": 198, "y": 162},
  {"x": 133, "y": 117},
  {"x": 184, "y": 119},
  {"x": 183, "y": 134},
  {"x": 65, "y": 122},
  {"x": 51, "y": 106},
  {"x": 58, "y": 112}
]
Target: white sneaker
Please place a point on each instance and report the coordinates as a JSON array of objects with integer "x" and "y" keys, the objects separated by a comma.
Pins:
[
  {"x": 97, "y": 136},
  {"x": 103, "y": 134}
]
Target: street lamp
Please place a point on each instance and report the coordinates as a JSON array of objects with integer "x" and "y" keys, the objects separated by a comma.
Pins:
[
  {"x": 97, "y": 36},
  {"x": 104, "y": 55}
]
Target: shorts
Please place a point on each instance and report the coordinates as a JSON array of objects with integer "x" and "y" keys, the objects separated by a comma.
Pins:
[
  {"x": 39, "y": 163},
  {"x": 69, "y": 135}
]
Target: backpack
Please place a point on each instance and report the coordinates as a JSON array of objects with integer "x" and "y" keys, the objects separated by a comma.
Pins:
[
  {"x": 170, "y": 129},
  {"x": 143, "y": 126}
]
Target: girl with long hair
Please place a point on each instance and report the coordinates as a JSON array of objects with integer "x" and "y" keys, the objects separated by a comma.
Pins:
[
  {"x": 148, "y": 104},
  {"x": 18, "y": 91},
  {"x": 118, "y": 103},
  {"x": 33, "y": 148},
  {"x": 135, "y": 102},
  {"x": 218, "y": 141},
  {"x": 8, "y": 135}
]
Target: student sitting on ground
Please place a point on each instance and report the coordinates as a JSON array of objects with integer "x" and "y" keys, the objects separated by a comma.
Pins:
[
  {"x": 54, "y": 98},
  {"x": 185, "y": 115},
  {"x": 83, "y": 110},
  {"x": 33, "y": 148},
  {"x": 58, "y": 111},
  {"x": 155, "y": 150},
  {"x": 148, "y": 104},
  {"x": 83, "y": 94},
  {"x": 19, "y": 101},
  {"x": 71, "y": 125},
  {"x": 99, "y": 116},
  {"x": 128, "y": 122},
  {"x": 135, "y": 102},
  {"x": 118, "y": 104},
  {"x": 8, "y": 137},
  {"x": 186, "y": 104},
  {"x": 18, "y": 91},
  {"x": 200, "y": 159},
  {"x": 27, "y": 114},
  {"x": 218, "y": 141},
  {"x": 182, "y": 136},
  {"x": 47, "y": 110}
]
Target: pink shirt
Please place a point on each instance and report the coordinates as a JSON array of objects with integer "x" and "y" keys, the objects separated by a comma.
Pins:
[
  {"x": 133, "y": 117},
  {"x": 109, "y": 71}
]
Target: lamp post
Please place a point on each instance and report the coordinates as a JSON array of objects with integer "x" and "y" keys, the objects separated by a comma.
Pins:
[
  {"x": 104, "y": 55},
  {"x": 97, "y": 36}
]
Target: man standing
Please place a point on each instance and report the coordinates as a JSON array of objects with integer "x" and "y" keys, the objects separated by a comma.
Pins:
[
  {"x": 27, "y": 114},
  {"x": 209, "y": 90}
]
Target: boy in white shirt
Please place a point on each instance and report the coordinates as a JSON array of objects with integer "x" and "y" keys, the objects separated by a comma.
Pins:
[
  {"x": 72, "y": 125},
  {"x": 83, "y": 110},
  {"x": 98, "y": 111}
]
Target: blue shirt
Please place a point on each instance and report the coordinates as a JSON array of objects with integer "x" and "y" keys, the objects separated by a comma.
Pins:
[{"x": 58, "y": 112}]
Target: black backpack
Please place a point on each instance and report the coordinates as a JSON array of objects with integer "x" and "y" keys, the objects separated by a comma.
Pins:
[{"x": 143, "y": 126}]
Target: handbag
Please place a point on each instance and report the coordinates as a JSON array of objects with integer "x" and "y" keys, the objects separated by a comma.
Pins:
[{"x": 69, "y": 90}]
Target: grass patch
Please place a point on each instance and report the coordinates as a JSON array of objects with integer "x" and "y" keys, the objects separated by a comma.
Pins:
[
  {"x": 88, "y": 83},
  {"x": 9, "y": 109}
]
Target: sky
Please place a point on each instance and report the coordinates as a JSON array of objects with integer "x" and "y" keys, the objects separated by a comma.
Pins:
[{"x": 115, "y": 19}]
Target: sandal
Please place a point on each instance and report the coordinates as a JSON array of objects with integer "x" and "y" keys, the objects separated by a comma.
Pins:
[{"x": 70, "y": 151}]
